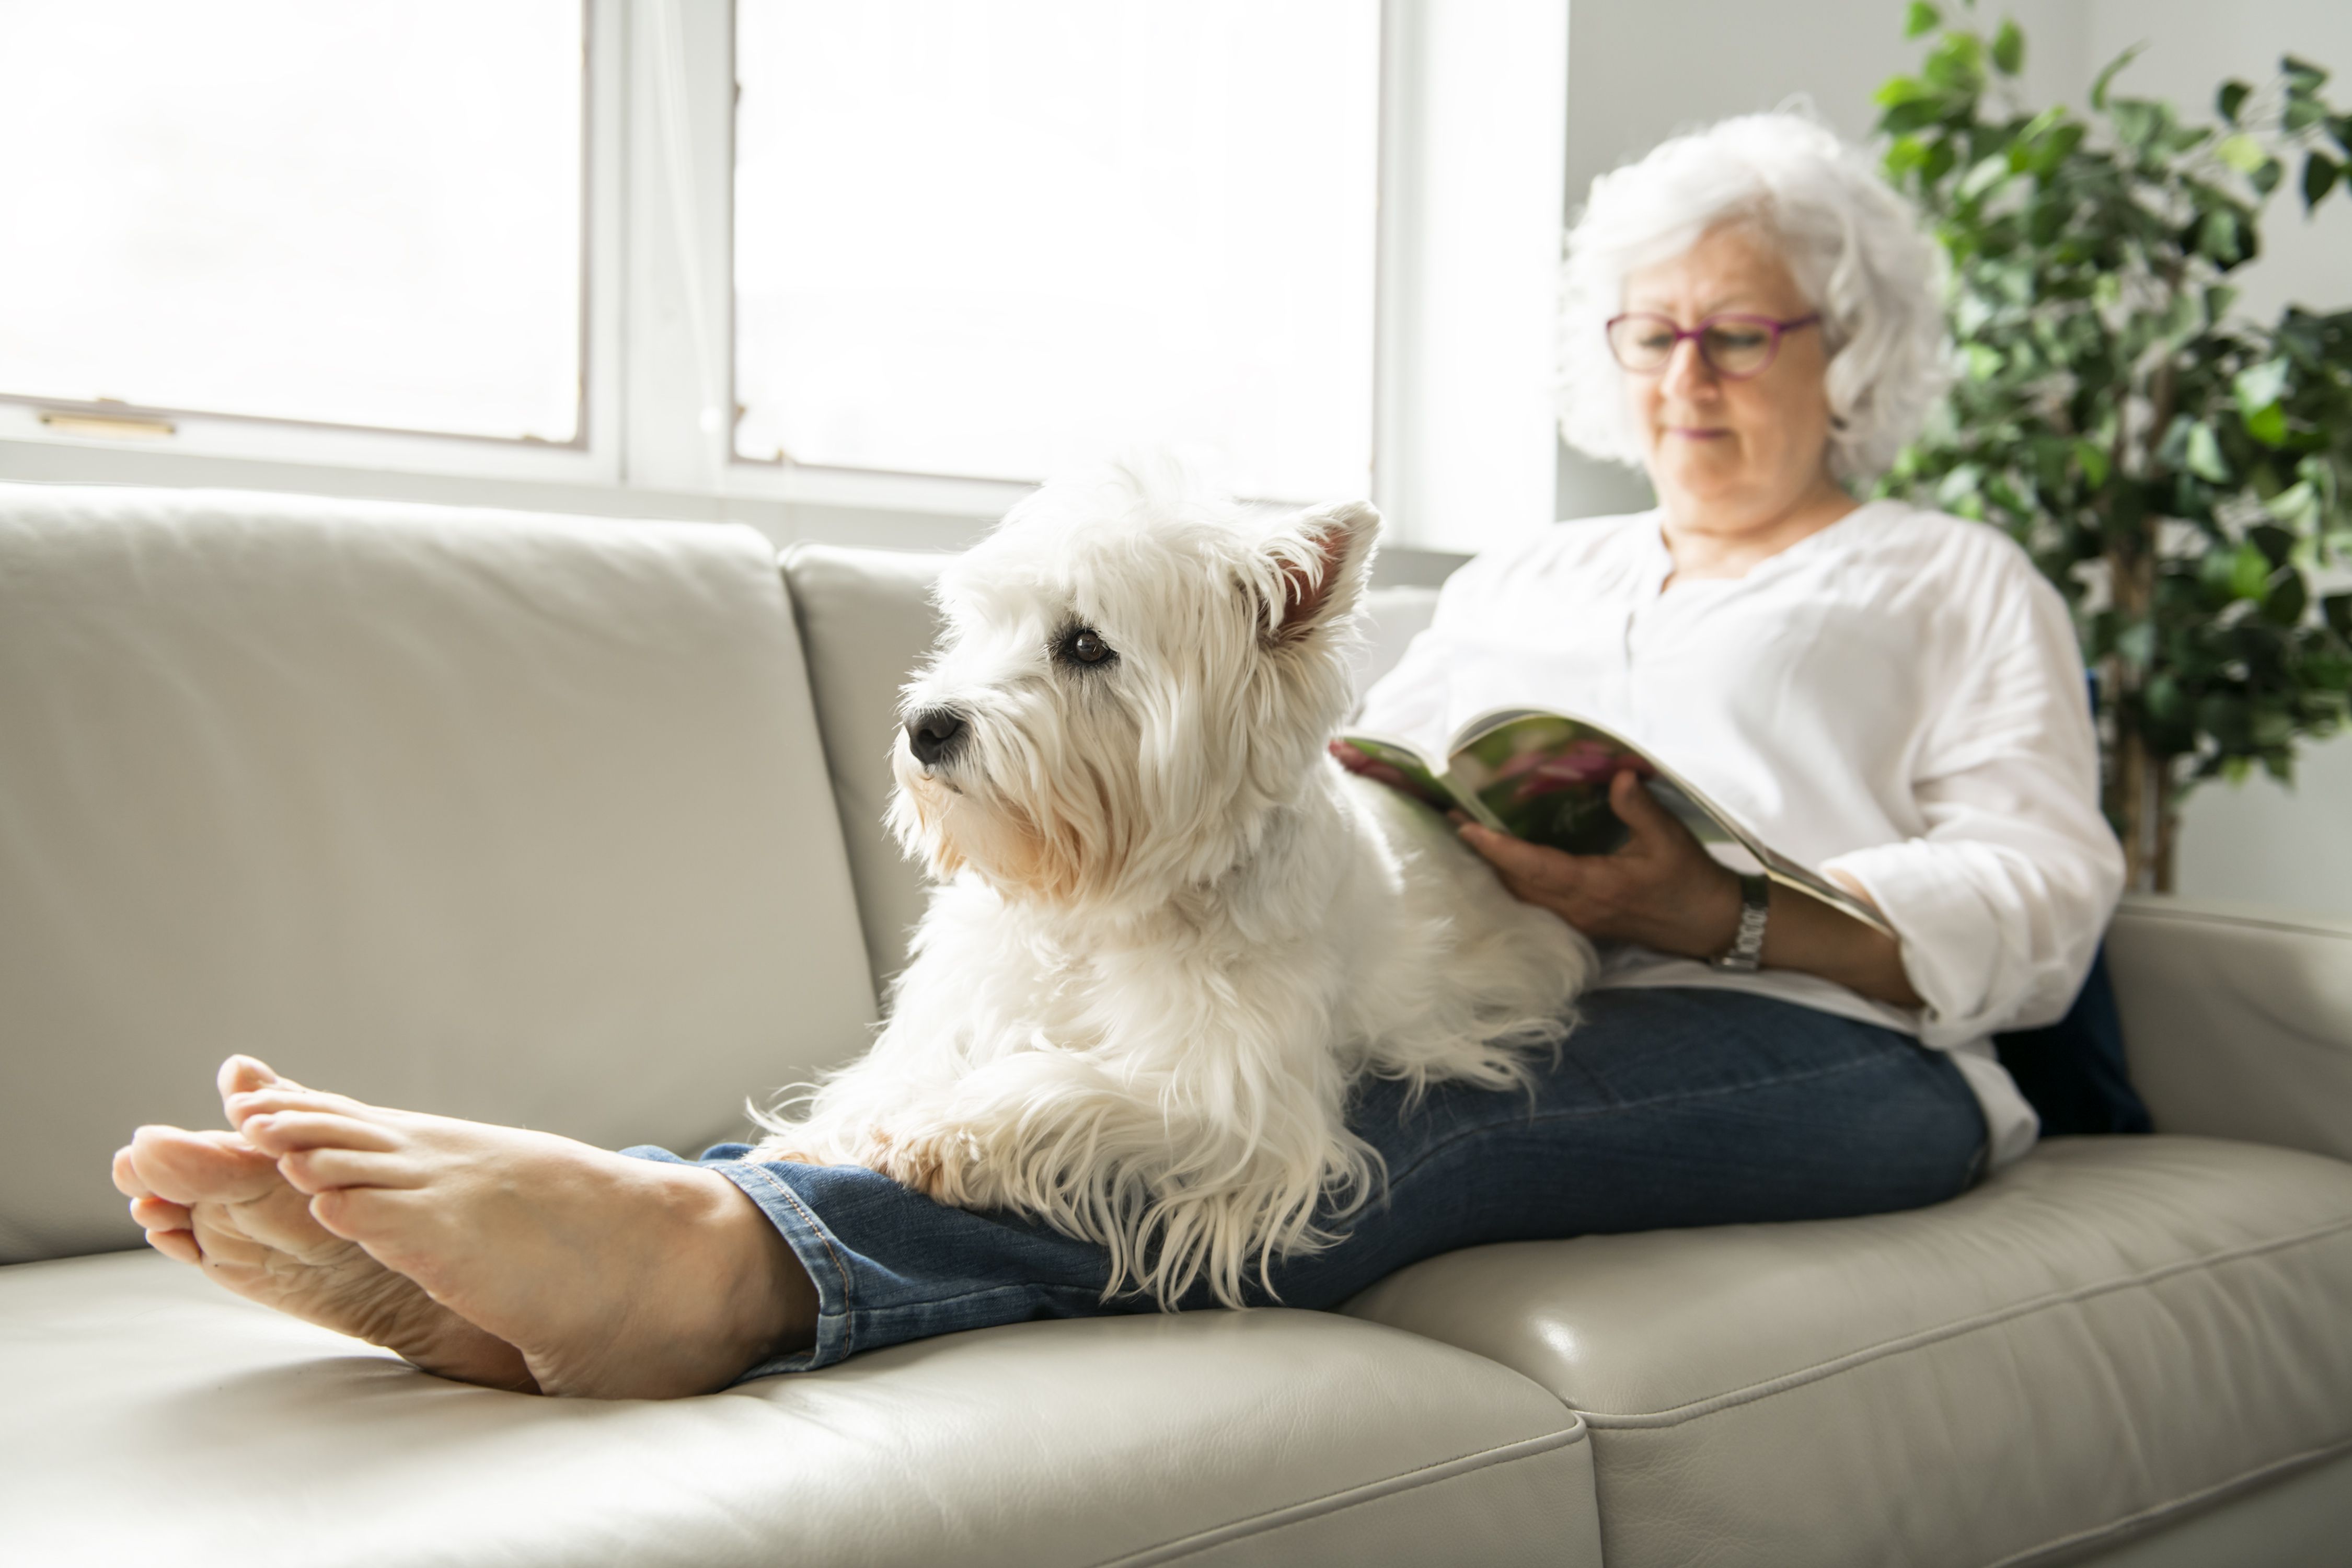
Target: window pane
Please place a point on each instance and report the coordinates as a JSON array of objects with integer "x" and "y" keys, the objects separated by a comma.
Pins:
[
  {"x": 357, "y": 215},
  {"x": 992, "y": 240}
]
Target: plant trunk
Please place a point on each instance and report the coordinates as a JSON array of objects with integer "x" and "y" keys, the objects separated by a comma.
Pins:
[
  {"x": 2145, "y": 808},
  {"x": 2168, "y": 825},
  {"x": 2127, "y": 802}
]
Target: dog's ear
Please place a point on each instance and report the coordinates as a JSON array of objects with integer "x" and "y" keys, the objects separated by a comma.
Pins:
[{"x": 1322, "y": 559}]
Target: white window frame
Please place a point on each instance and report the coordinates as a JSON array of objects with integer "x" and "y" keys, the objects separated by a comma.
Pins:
[{"x": 1462, "y": 438}]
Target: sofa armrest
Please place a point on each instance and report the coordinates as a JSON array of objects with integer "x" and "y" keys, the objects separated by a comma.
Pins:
[{"x": 2238, "y": 1020}]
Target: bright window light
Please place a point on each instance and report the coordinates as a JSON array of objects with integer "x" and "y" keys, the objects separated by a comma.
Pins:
[
  {"x": 363, "y": 214},
  {"x": 997, "y": 240}
]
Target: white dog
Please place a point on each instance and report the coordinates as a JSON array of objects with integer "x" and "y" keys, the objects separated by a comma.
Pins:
[{"x": 1171, "y": 932}]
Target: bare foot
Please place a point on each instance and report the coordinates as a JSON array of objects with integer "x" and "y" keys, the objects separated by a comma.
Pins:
[
  {"x": 615, "y": 1277},
  {"x": 214, "y": 1200}
]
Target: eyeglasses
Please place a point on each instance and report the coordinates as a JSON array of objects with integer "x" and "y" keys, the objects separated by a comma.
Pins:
[{"x": 1736, "y": 346}]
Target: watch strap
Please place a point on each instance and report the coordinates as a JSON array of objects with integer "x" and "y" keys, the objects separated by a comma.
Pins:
[{"x": 1746, "y": 954}]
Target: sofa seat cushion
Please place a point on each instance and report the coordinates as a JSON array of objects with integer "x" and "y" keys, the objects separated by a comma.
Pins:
[
  {"x": 150, "y": 1418},
  {"x": 2108, "y": 1332}
]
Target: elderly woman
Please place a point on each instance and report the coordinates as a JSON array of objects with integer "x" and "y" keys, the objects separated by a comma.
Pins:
[{"x": 1890, "y": 695}]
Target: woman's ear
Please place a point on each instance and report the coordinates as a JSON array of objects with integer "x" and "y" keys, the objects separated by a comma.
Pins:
[{"x": 1323, "y": 559}]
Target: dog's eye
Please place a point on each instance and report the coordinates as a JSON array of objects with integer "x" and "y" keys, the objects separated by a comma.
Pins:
[{"x": 1085, "y": 645}]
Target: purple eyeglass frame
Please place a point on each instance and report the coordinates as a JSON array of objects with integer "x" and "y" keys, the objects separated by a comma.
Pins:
[{"x": 1779, "y": 330}]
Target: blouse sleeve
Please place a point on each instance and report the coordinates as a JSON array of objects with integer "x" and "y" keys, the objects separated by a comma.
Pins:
[{"x": 2000, "y": 900}]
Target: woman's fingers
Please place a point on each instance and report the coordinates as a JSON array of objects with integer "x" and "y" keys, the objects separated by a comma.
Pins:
[{"x": 1639, "y": 810}]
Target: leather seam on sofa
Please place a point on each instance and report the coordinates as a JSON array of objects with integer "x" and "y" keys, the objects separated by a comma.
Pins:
[
  {"x": 2135, "y": 1523},
  {"x": 1350, "y": 1496},
  {"x": 2204, "y": 914},
  {"x": 1676, "y": 1416}
]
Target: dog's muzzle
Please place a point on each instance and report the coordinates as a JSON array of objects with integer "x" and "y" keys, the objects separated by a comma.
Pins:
[{"x": 936, "y": 736}]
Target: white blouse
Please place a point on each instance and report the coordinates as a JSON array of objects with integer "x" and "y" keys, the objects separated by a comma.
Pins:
[{"x": 1897, "y": 696}]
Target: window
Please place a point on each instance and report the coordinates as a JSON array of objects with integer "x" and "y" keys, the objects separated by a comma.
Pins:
[
  {"x": 364, "y": 215},
  {"x": 861, "y": 270},
  {"x": 995, "y": 240}
]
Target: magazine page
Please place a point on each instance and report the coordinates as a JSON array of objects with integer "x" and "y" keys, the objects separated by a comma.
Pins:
[
  {"x": 1545, "y": 778},
  {"x": 1400, "y": 766}
]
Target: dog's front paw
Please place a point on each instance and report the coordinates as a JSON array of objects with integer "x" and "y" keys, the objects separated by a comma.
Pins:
[{"x": 941, "y": 1163}]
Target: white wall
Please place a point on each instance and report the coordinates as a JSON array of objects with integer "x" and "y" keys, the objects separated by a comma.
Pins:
[{"x": 2260, "y": 842}]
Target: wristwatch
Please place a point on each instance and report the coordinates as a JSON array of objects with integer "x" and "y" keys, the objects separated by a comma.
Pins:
[{"x": 1747, "y": 952}]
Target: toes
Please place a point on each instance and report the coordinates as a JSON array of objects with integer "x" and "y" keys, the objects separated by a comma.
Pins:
[
  {"x": 160, "y": 1214},
  {"x": 282, "y": 1132},
  {"x": 191, "y": 1167},
  {"x": 243, "y": 1075},
  {"x": 323, "y": 1169},
  {"x": 176, "y": 1244},
  {"x": 126, "y": 1176},
  {"x": 273, "y": 1099}
]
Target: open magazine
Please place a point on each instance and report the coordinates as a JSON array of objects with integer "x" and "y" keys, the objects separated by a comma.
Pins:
[{"x": 1544, "y": 777}]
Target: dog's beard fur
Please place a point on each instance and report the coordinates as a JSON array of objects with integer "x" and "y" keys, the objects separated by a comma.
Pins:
[{"x": 1168, "y": 935}]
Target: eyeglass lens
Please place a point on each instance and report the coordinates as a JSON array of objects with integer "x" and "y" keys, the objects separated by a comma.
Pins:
[{"x": 1733, "y": 345}]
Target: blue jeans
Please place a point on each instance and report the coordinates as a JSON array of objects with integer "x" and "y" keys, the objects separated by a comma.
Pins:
[{"x": 1666, "y": 1108}]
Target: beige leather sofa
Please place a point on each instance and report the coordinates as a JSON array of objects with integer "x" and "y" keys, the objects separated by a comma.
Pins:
[{"x": 572, "y": 824}]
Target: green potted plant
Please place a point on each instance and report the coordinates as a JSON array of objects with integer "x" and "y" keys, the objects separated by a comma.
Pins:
[{"x": 2180, "y": 473}]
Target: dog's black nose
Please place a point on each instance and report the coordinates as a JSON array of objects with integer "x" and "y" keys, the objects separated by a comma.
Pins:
[{"x": 932, "y": 736}]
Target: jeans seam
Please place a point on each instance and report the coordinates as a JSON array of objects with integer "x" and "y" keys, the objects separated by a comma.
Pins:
[
  {"x": 848, "y": 1290},
  {"x": 1025, "y": 1287},
  {"x": 1536, "y": 1118}
]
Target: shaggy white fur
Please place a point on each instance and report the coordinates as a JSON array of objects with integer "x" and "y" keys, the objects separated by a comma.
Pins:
[{"x": 1170, "y": 933}]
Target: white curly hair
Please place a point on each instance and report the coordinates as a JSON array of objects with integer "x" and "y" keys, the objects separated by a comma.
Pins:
[{"x": 1853, "y": 245}]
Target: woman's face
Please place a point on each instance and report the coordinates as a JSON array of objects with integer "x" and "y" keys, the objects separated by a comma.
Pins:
[{"x": 1724, "y": 454}]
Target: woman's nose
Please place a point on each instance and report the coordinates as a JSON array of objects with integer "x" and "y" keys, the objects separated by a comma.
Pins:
[{"x": 1687, "y": 374}]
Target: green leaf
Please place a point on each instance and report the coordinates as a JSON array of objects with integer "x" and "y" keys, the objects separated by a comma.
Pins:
[
  {"x": 2298, "y": 502},
  {"x": 2319, "y": 176},
  {"x": 1988, "y": 173},
  {"x": 1984, "y": 361},
  {"x": 2301, "y": 75},
  {"x": 2261, "y": 386},
  {"x": 2250, "y": 571},
  {"x": 2241, "y": 152},
  {"x": 2336, "y": 610},
  {"x": 2136, "y": 644},
  {"x": 1898, "y": 89},
  {"x": 2099, "y": 88},
  {"x": 2008, "y": 47},
  {"x": 2340, "y": 127},
  {"x": 2303, "y": 114},
  {"x": 1920, "y": 19},
  {"x": 2220, "y": 238},
  {"x": 2203, "y": 455},
  {"x": 2230, "y": 99},
  {"x": 2275, "y": 543},
  {"x": 2265, "y": 179},
  {"x": 2092, "y": 458},
  {"x": 2267, "y": 426},
  {"x": 1956, "y": 64},
  {"x": 1915, "y": 114}
]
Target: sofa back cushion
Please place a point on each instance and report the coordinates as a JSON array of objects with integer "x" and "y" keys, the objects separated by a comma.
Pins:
[
  {"x": 513, "y": 817},
  {"x": 866, "y": 620}
]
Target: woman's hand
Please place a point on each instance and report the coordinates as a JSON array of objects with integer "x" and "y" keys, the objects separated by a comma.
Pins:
[{"x": 1660, "y": 888}]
